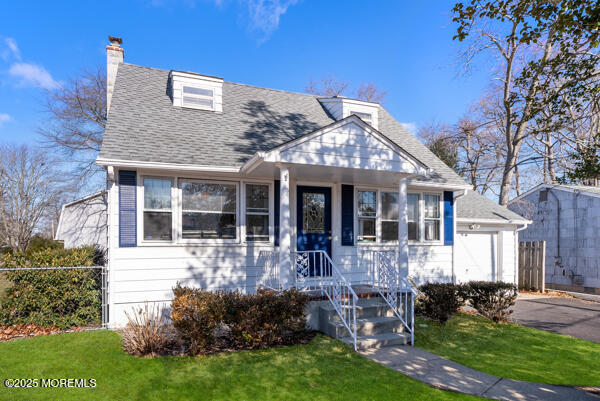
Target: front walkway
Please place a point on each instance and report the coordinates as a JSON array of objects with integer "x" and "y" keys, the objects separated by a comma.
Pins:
[{"x": 441, "y": 373}]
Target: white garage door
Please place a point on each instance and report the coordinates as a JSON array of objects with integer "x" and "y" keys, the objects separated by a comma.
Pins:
[{"x": 476, "y": 256}]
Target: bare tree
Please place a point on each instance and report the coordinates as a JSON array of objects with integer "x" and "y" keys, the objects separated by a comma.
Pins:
[
  {"x": 440, "y": 140},
  {"x": 77, "y": 119},
  {"x": 370, "y": 93},
  {"x": 29, "y": 186},
  {"x": 545, "y": 54},
  {"x": 332, "y": 86},
  {"x": 329, "y": 87}
]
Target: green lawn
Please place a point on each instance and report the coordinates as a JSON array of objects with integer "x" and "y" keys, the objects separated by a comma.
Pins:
[
  {"x": 512, "y": 351},
  {"x": 325, "y": 369}
]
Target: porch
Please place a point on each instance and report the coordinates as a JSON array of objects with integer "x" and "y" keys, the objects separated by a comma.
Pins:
[{"x": 375, "y": 313}]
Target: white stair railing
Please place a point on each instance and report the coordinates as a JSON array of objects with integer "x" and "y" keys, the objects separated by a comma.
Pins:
[
  {"x": 269, "y": 277},
  {"x": 315, "y": 271},
  {"x": 396, "y": 290}
]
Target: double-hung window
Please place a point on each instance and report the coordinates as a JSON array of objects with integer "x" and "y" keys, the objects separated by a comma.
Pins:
[
  {"x": 157, "y": 209},
  {"x": 367, "y": 216},
  {"x": 257, "y": 212},
  {"x": 413, "y": 217},
  {"x": 378, "y": 215},
  {"x": 432, "y": 217},
  {"x": 199, "y": 98},
  {"x": 389, "y": 216},
  {"x": 209, "y": 210}
]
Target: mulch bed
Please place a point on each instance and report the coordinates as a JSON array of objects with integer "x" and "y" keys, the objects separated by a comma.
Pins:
[{"x": 31, "y": 330}]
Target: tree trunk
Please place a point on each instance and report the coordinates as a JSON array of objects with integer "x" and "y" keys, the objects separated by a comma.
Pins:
[{"x": 517, "y": 181}]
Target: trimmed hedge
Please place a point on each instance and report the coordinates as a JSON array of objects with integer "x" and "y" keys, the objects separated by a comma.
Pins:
[
  {"x": 231, "y": 319},
  {"x": 439, "y": 301},
  {"x": 59, "y": 298},
  {"x": 492, "y": 299}
]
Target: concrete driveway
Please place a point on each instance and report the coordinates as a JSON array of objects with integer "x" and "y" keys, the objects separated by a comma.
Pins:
[{"x": 569, "y": 316}]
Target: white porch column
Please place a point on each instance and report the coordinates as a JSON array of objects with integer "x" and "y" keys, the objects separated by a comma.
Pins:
[
  {"x": 402, "y": 228},
  {"x": 285, "y": 261}
]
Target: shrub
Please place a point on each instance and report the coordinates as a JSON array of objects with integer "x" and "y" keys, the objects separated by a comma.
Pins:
[
  {"x": 203, "y": 318},
  {"x": 61, "y": 298},
  {"x": 492, "y": 299},
  {"x": 196, "y": 314},
  {"x": 439, "y": 301},
  {"x": 148, "y": 332}
]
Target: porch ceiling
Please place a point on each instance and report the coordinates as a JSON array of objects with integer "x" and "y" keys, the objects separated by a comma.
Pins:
[{"x": 327, "y": 174}]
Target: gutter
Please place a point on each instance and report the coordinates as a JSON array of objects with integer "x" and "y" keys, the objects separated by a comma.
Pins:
[{"x": 166, "y": 166}]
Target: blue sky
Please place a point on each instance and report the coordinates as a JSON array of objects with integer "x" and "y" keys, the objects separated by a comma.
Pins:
[{"x": 403, "y": 47}]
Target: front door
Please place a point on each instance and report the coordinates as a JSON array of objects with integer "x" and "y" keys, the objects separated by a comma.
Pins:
[{"x": 314, "y": 225}]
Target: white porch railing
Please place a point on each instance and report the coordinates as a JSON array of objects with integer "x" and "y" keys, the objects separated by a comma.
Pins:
[
  {"x": 269, "y": 277},
  {"x": 315, "y": 271},
  {"x": 396, "y": 290}
]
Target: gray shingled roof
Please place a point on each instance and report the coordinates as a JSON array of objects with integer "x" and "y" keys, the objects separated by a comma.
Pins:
[
  {"x": 582, "y": 188},
  {"x": 475, "y": 206},
  {"x": 144, "y": 126}
]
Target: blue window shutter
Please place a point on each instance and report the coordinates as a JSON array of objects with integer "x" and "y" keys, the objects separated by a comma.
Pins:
[
  {"x": 127, "y": 208},
  {"x": 348, "y": 215},
  {"x": 448, "y": 218},
  {"x": 276, "y": 212}
]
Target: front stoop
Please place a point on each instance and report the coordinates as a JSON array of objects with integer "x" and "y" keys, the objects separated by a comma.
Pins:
[{"x": 376, "y": 325}]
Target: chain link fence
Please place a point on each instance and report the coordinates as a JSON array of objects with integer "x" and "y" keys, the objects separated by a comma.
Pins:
[{"x": 61, "y": 297}]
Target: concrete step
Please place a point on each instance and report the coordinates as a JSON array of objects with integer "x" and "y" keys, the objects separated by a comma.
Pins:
[
  {"x": 379, "y": 340},
  {"x": 366, "y": 327},
  {"x": 366, "y": 308}
]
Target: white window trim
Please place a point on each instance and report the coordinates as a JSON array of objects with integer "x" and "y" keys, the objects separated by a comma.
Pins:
[
  {"x": 141, "y": 209},
  {"x": 376, "y": 218},
  {"x": 378, "y": 226},
  {"x": 197, "y": 106},
  {"x": 271, "y": 192},
  {"x": 238, "y": 225},
  {"x": 422, "y": 240}
]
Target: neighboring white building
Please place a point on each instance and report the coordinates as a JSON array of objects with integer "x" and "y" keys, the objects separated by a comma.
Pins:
[
  {"x": 567, "y": 217},
  {"x": 207, "y": 179},
  {"x": 83, "y": 222}
]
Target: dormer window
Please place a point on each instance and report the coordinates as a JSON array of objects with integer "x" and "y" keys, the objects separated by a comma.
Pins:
[
  {"x": 199, "y": 98},
  {"x": 196, "y": 91},
  {"x": 341, "y": 107},
  {"x": 366, "y": 117}
]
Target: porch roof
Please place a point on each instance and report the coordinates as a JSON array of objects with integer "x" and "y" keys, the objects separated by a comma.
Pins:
[{"x": 144, "y": 127}]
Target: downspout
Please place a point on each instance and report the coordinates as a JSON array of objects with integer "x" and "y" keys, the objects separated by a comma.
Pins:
[
  {"x": 557, "y": 258},
  {"x": 576, "y": 235},
  {"x": 516, "y": 253},
  {"x": 463, "y": 193}
]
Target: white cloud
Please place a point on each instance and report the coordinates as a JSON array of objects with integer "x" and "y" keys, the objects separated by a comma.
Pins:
[
  {"x": 265, "y": 14},
  {"x": 410, "y": 127},
  {"x": 4, "y": 118},
  {"x": 9, "y": 50},
  {"x": 32, "y": 75}
]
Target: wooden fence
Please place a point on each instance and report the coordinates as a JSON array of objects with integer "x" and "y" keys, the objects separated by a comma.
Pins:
[{"x": 532, "y": 265}]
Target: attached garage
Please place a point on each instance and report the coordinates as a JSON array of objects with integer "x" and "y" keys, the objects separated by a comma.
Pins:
[
  {"x": 476, "y": 256},
  {"x": 485, "y": 246}
]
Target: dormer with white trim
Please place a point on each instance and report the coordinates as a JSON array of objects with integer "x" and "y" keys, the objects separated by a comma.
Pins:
[
  {"x": 196, "y": 91},
  {"x": 341, "y": 107}
]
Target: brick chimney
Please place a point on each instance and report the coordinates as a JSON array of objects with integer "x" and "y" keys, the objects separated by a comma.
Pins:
[{"x": 114, "y": 56}]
